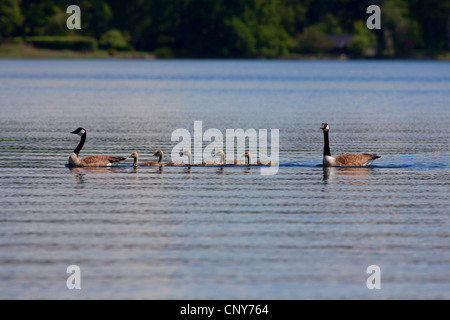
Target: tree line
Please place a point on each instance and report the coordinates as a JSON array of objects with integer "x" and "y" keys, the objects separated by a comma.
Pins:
[{"x": 239, "y": 28}]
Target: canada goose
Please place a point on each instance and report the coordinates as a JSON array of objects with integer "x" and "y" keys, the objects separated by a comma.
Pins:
[
  {"x": 90, "y": 161},
  {"x": 160, "y": 154},
  {"x": 190, "y": 164},
  {"x": 248, "y": 156},
  {"x": 344, "y": 160},
  {"x": 135, "y": 156},
  {"x": 235, "y": 162},
  {"x": 189, "y": 155}
]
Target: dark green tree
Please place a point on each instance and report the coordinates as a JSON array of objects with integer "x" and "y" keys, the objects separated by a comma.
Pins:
[
  {"x": 11, "y": 17},
  {"x": 433, "y": 18},
  {"x": 38, "y": 15},
  {"x": 238, "y": 28},
  {"x": 401, "y": 34},
  {"x": 258, "y": 31},
  {"x": 364, "y": 40}
]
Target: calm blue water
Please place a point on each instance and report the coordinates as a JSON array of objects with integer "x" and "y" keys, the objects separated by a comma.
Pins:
[{"x": 211, "y": 233}]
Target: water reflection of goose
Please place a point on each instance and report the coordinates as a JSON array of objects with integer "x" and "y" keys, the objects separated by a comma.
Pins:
[
  {"x": 248, "y": 156},
  {"x": 344, "y": 160},
  {"x": 135, "y": 156},
  {"x": 95, "y": 173},
  {"x": 90, "y": 161},
  {"x": 351, "y": 175},
  {"x": 94, "y": 170}
]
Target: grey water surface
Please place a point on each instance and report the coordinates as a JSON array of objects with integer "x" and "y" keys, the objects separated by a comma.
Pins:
[{"x": 225, "y": 233}]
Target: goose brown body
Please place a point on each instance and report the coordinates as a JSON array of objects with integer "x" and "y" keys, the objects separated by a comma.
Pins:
[
  {"x": 248, "y": 155},
  {"x": 93, "y": 161},
  {"x": 344, "y": 160},
  {"x": 223, "y": 162},
  {"x": 135, "y": 156},
  {"x": 355, "y": 160},
  {"x": 89, "y": 161},
  {"x": 160, "y": 154}
]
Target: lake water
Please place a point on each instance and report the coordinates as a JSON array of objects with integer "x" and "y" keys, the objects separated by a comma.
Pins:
[{"x": 231, "y": 233}]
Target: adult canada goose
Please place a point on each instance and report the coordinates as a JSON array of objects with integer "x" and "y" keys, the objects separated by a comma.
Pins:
[
  {"x": 90, "y": 161},
  {"x": 160, "y": 154},
  {"x": 248, "y": 156},
  {"x": 344, "y": 160},
  {"x": 235, "y": 162},
  {"x": 135, "y": 156}
]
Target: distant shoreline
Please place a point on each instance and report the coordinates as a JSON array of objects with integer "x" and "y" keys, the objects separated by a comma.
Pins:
[{"x": 24, "y": 51}]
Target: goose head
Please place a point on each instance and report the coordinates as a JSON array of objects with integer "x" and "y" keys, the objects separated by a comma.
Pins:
[
  {"x": 188, "y": 154},
  {"x": 325, "y": 127},
  {"x": 159, "y": 153},
  {"x": 220, "y": 153},
  {"x": 248, "y": 155},
  {"x": 79, "y": 131},
  {"x": 134, "y": 155}
]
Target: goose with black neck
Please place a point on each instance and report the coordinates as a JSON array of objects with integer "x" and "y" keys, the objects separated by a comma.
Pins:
[
  {"x": 89, "y": 161},
  {"x": 344, "y": 160}
]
